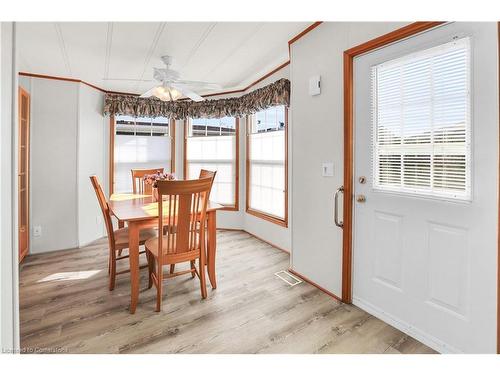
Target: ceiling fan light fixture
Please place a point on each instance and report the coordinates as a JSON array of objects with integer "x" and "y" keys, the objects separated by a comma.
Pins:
[
  {"x": 166, "y": 93},
  {"x": 176, "y": 94},
  {"x": 172, "y": 88}
]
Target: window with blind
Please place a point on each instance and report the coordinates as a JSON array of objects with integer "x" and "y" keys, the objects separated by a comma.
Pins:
[
  {"x": 266, "y": 161},
  {"x": 212, "y": 144},
  {"x": 421, "y": 122},
  {"x": 140, "y": 142}
]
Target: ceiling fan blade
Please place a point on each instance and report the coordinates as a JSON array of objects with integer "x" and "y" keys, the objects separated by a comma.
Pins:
[
  {"x": 148, "y": 93},
  {"x": 187, "y": 92},
  {"x": 128, "y": 79},
  {"x": 200, "y": 84}
]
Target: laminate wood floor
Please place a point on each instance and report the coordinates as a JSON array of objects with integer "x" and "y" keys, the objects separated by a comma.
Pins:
[{"x": 65, "y": 307}]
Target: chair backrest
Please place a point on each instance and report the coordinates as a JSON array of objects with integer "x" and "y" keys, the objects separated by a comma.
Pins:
[
  {"x": 182, "y": 207},
  {"x": 205, "y": 174},
  {"x": 104, "y": 208},
  {"x": 138, "y": 185}
]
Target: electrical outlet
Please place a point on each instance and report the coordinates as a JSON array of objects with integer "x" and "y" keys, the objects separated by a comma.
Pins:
[{"x": 37, "y": 230}]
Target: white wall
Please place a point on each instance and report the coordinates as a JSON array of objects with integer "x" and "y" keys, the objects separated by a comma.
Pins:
[
  {"x": 68, "y": 144},
  {"x": 54, "y": 142},
  {"x": 92, "y": 159},
  {"x": 8, "y": 260},
  {"x": 317, "y": 137}
]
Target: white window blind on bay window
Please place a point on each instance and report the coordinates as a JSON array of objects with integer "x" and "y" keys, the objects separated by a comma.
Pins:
[
  {"x": 211, "y": 145},
  {"x": 266, "y": 154},
  {"x": 140, "y": 143},
  {"x": 421, "y": 122}
]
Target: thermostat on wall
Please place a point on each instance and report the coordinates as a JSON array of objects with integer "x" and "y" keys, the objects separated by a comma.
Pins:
[{"x": 315, "y": 85}]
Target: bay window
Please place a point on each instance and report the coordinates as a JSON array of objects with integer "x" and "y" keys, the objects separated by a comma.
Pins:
[
  {"x": 212, "y": 144},
  {"x": 140, "y": 143},
  {"x": 267, "y": 165}
]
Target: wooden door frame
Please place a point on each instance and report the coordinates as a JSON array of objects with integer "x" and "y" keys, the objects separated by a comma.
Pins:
[
  {"x": 349, "y": 55},
  {"x": 20, "y": 93}
]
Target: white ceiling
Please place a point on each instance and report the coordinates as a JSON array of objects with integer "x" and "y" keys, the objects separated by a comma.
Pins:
[{"x": 230, "y": 54}]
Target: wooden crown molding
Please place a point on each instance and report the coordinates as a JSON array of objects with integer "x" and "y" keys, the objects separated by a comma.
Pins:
[
  {"x": 301, "y": 34},
  {"x": 75, "y": 80},
  {"x": 237, "y": 91}
]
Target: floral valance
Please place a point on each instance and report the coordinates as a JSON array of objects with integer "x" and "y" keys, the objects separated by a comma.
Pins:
[{"x": 277, "y": 93}]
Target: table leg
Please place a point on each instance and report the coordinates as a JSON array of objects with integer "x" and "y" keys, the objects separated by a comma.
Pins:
[
  {"x": 133, "y": 240},
  {"x": 211, "y": 246}
]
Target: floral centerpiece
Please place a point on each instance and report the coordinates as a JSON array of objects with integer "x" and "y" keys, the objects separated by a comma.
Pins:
[{"x": 152, "y": 179}]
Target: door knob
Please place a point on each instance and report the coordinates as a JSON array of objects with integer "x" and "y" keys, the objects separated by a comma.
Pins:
[{"x": 361, "y": 198}]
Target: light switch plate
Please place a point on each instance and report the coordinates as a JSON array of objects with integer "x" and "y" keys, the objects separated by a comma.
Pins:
[
  {"x": 37, "y": 230},
  {"x": 327, "y": 170},
  {"x": 315, "y": 85}
]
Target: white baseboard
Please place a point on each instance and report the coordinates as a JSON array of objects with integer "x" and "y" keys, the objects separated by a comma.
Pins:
[{"x": 414, "y": 332}]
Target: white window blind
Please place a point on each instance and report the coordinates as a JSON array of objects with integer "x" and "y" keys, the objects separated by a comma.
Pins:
[
  {"x": 140, "y": 143},
  {"x": 266, "y": 156},
  {"x": 421, "y": 122},
  {"x": 211, "y": 145}
]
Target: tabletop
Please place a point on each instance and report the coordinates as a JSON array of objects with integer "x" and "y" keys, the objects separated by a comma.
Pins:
[{"x": 131, "y": 207}]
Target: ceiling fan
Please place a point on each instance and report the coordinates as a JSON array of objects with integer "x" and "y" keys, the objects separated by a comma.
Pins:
[{"x": 171, "y": 88}]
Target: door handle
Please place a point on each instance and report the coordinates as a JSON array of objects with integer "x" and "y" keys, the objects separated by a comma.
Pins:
[{"x": 338, "y": 223}]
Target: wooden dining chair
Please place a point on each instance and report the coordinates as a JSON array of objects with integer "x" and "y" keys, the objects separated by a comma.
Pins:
[
  {"x": 138, "y": 185},
  {"x": 181, "y": 205},
  {"x": 117, "y": 239},
  {"x": 204, "y": 173}
]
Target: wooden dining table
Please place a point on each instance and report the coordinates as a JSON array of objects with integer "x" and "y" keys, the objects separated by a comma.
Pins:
[{"x": 140, "y": 211}]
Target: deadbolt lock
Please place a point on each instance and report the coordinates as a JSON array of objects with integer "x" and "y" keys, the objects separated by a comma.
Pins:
[
  {"x": 362, "y": 179},
  {"x": 361, "y": 198}
]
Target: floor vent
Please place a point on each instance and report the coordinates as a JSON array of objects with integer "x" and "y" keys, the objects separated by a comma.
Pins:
[{"x": 288, "y": 278}]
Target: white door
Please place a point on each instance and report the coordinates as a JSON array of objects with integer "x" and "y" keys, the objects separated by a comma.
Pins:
[{"x": 426, "y": 139}]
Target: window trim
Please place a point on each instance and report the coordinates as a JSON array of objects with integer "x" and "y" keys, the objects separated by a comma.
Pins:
[
  {"x": 236, "y": 206},
  {"x": 112, "y": 131},
  {"x": 257, "y": 213}
]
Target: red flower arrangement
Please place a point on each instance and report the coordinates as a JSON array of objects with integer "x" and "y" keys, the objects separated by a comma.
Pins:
[{"x": 151, "y": 179}]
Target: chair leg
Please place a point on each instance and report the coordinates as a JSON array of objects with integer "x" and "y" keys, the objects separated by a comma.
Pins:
[
  {"x": 121, "y": 224},
  {"x": 172, "y": 268},
  {"x": 151, "y": 267},
  {"x": 159, "y": 286},
  {"x": 192, "y": 264},
  {"x": 203, "y": 284},
  {"x": 112, "y": 269}
]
